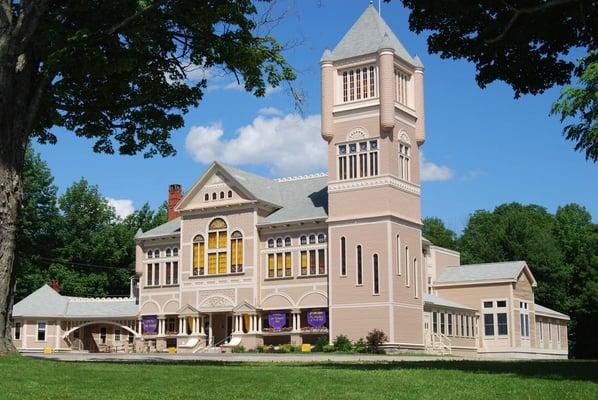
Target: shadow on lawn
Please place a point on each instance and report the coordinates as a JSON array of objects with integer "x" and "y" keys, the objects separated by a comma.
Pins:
[{"x": 558, "y": 370}]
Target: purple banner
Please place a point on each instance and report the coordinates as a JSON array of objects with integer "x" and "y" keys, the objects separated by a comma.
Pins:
[
  {"x": 316, "y": 318},
  {"x": 277, "y": 319},
  {"x": 150, "y": 324}
]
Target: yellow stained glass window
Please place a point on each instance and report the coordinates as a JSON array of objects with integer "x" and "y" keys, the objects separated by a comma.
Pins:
[
  {"x": 304, "y": 263},
  {"x": 287, "y": 264},
  {"x": 312, "y": 262},
  {"x": 236, "y": 259},
  {"x": 270, "y": 265},
  {"x": 217, "y": 224},
  {"x": 222, "y": 240},
  {"x": 222, "y": 263},
  {"x": 212, "y": 240},
  {"x": 198, "y": 255},
  {"x": 233, "y": 253},
  {"x": 211, "y": 263},
  {"x": 195, "y": 258},
  {"x": 279, "y": 264}
]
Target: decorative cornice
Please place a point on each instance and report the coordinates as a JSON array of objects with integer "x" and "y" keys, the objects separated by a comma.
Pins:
[
  {"x": 342, "y": 186},
  {"x": 301, "y": 177}
]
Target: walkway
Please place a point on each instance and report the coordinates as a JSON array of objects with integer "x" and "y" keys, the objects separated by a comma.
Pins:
[{"x": 236, "y": 357}]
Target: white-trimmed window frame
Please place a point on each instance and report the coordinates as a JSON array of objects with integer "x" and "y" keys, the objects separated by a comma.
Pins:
[
  {"x": 495, "y": 310},
  {"x": 524, "y": 328},
  {"x": 348, "y": 84},
  {"x": 44, "y": 330},
  {"x": 343, "y": 256},
  {"x": 375, "y": 274},
  {"x": 348, "y": 168}
]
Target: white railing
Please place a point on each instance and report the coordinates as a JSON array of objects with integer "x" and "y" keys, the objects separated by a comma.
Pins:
[{"x": 438, "y": 343}]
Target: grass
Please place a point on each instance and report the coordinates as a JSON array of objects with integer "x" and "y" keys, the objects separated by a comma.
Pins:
[{"x": 25, "y": 378}]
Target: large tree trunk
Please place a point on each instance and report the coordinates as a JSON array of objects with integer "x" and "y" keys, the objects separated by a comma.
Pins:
[
  {"x": 19, "y": 100},
  {"x": 13, "y": 141}
]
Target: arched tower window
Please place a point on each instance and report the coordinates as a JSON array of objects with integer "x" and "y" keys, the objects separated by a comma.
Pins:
[
  {"x": 199, "y": 248},
  {"x": 236, "y": 252},
  {"x": 217, "y": 247},
  {"x": 404, "y": 157},
  {"x": 376, "y": 275}
]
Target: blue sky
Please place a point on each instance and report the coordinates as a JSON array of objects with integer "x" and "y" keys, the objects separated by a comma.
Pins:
[{"x": 483, "y": 147}]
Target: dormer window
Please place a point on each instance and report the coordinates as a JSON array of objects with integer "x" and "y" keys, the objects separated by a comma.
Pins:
[
  {"x": 358, "y": 160},
  {"x": 358, "y": 83}
]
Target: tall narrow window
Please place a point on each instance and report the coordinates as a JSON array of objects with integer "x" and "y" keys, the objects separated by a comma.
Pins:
[
  {"x": 17, "y": 331},
  {"x": 523, "y": 319},
  {"x": 270, "y": 265},
  {"x": 175, "y": 273},
  {"x": 343, "y": 256},
  {"x": 373, "y": 157},
  {"x": 435, "y": 322},
  {"x": 199, "y": 248},
  {"x": 288, "y": 264},
  {"x": 407, "y": 277},
  {"x": 156, "y": 274},
  {"x": 415, "y": 278},
  {"x": 117, "y": 335},
  {"x": 549, "y": 331},
  {"x": 321, "y": 262},
  {"x": 168, "y": 273},
  {"x": 312, "y": 262},
  {"x": 372, "y": 81},
  {"x": 279, "y": 265},
  {"x": 375, "y": 275},
  {"x": 342, "y": 162},
  {"x": 359, "y": 266},
  {"x": 150, "y": 275},
  {"x": 351, "y": 86},
  {"x": 442, "y": 322},
  {"x": 103, "y": 335},
  {"x": 501, "y": 319},
  {"x": 402, "y": 87},
  {"x": 404, "y": 161},
  {"x": 358, "y": 82},
  {"x": 41, "y": 331},
  {"x": 345, "y": 88},
  {"x": 236, "y": 252},
  {"x": 304, "y": 263},
  {"x": 364, "y": 72},
  {"x": 217, "y": 247},
  {"x": 449, "y": 324},
  {"x": 399, "y": 268}
]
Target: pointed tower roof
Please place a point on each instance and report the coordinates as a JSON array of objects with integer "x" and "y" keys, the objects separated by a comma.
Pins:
[{"x": 368, "y": 34}]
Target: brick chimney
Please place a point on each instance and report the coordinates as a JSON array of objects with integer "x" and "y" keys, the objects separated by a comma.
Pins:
[
  {"x": 175, "y": 194},
  {"x": 55, "y": 284}
]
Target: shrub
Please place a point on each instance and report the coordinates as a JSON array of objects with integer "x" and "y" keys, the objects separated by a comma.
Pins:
[
  {"x": 286, "y": 348},
  {"x": 320, "y": 343},
  {"x": 342, "y": 343},
  {"x": 239, "y": 349},
  {"x": 360, "y": 346},
  {"x": 374, "y": 340},
  {"x": 261, "y": 349},
  {"x": 328, "y": 348}
]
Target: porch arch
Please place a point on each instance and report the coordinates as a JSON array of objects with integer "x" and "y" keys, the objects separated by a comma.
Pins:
[{"x": 126, "y": 328}]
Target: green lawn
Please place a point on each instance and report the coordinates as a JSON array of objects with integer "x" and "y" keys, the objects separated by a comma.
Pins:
[{"x": 23, "y": 378}]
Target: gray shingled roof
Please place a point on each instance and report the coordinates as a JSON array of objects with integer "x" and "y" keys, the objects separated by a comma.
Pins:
[
  {"x": 172, "y": 227},
  {"x": 368, "y": 34},
  {"x": 47, "y": 303},
  {"x": 298, "y": 199},
  {"x": 509, "y": 270},
  {"x": 547, "y": 311},
  {"x": 260, "y": 187},
  {"x": 301, "y": 199},
  {"x": 442, "y": 302}
]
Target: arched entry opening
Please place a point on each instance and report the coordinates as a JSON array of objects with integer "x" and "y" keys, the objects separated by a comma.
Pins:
[{"x": 102, "y": 336}]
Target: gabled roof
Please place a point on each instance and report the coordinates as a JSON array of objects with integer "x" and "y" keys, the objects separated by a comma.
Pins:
[
  {"x": 442, "y": 302},
  {"x": 45, "y": 302},
  {"x": 491, "y": 272},
  {"x": 260, "y": 187},
  {"x": 541, "y": 310},
  {"x": 172, "y": 227},
  {"x": 368, "y": 34}
]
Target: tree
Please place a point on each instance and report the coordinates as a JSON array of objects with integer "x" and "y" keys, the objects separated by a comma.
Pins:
[
  {"x": 36, "y": 236},
  {"x": 524, "y": 43},
  {"x": 115, "y": 72},
  {"x": 435, "y": 231}
]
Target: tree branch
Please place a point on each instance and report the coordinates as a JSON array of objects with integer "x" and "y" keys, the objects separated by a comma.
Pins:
[
  {"x": 517, "y": 12},
  {"x": 132, "y": 17}
]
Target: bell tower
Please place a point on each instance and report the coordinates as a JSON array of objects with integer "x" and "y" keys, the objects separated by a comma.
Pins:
[{"x": 373, "y": 122}]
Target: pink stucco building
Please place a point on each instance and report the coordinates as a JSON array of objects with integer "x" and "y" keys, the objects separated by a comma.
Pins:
[{"x": 247, "y": 260}]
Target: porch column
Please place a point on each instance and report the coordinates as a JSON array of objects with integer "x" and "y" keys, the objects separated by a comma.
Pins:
[
  {"x": 235, "y": 323},
  {"x": 161, "y": 324},
  {"x": 251, "y": 324},
  {"x": 259, "y": 323},
  {"x": 140, "y": 327},
  {"x": 180, "y": 325},
  {"x": 210, "y": 331},
  {"x": 296, "y": 320},
  {"x": 201, "y": 327},
  {"x": 195, "y": 325},
  {"x": 184, "y": 325}
]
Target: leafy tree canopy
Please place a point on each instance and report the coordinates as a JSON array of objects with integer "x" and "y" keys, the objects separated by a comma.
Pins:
[
  {"x": 526, "y": 44},
  {"x": 435, "y": 231}
]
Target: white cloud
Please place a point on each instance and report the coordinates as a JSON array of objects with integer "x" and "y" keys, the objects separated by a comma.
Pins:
[
  {"x": 123, "y": 207},
  {"x": 432, "y": 172},
  {"x": 270, "y": 111},
  {"x": 289, "y": 144}
]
